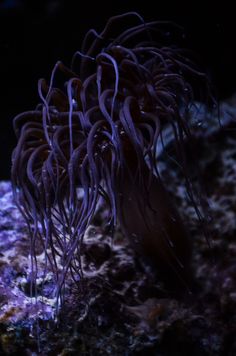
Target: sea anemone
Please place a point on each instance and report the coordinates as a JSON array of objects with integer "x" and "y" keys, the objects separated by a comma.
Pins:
[{"x": 94, "y": 137}]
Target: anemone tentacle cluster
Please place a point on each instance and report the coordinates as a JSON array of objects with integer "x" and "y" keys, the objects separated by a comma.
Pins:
[{"x": 97, "y": 121}]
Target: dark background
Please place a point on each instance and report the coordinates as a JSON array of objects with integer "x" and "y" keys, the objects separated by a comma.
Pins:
[{"x": 35, "y": 34}]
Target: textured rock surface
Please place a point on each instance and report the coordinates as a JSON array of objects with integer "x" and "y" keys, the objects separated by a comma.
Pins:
[{"x": 122, "y": 308}]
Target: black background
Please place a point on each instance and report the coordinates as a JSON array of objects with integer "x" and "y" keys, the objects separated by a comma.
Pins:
[{"x": 35, "y": 34}]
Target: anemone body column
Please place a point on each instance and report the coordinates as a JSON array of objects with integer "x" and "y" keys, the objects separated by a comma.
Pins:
[{"x": 150, "y": 220}]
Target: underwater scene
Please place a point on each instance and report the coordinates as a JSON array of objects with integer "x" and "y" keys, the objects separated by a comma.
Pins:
[{"x": 117, "y": 196}]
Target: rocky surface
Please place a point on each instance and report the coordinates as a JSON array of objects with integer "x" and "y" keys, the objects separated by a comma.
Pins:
[{"x": 121, "y": 307}]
